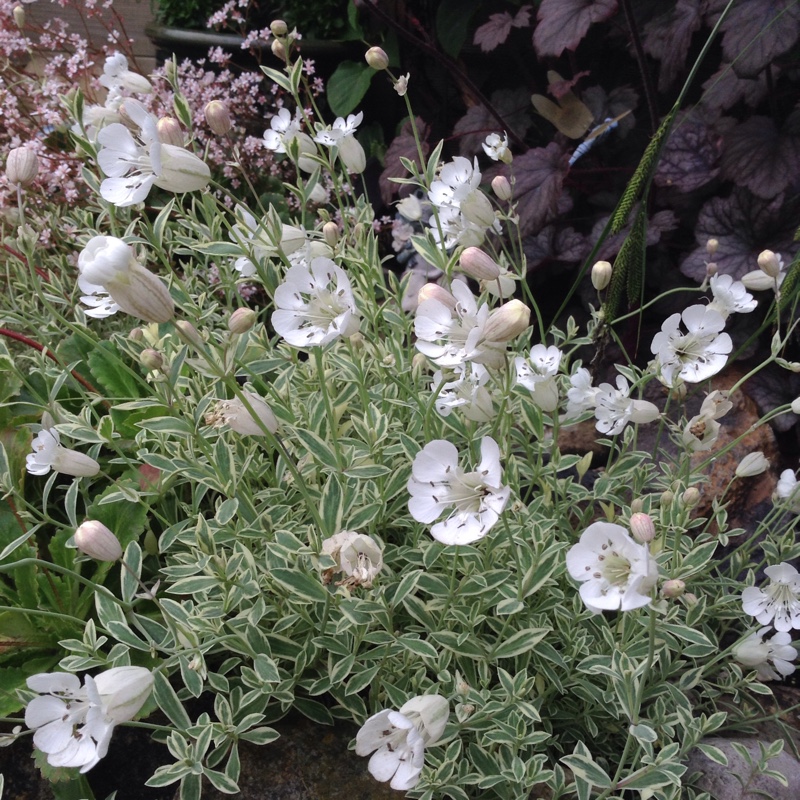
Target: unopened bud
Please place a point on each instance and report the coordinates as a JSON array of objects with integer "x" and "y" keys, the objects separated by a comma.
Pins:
[
  {"x": 432, "y": 291},
  {"x": 357, "y": 341},
  {"x": 666, "y": 498},
  {"x": 637, "y": 505},
  {"x": 22, "y": 166},
  {"x": 673, "y": 588},
  {"x": 642, "y": 528},
  {"x": 601, "y": 275},
  {"x": 330, "y": 232},
  {"x": 218, "y": 117},
  {"x": 189, "y": 333},
  {"x": 690, "y": 599},
  {"x": 376, "y": 57},
  {"x": 170, "y": 131},
  {"x": 479, "y": 265},
  {"x": 507, "y": 322},
  {"x": 418, "y": 363},
  {"x": 242, "y": 320},
  {"x": 752, "y": 464},
  {"x": 278, "y": 50},
  {"x": 278, "y": 27},
  {"x": 769, "y": 263},
  {"x": 95, "y": 540},
  {"x": 501, "y": 187},
  {"x": 151, "y": 359},
  {"x": 796, "y": 405},
  {"x": 19, "y": 17},
  {"x": 711, "y": 269},
  {"x": 711, "y": 247},
  {"x": 388, "y": 360},
  {"x": 691, "y": 497}
]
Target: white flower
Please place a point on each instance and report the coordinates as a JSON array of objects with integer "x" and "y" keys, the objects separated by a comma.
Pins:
[
  {"x": 752, "y": 464},
  {"x": 614, "y": 408},
  {"x": 342, "y": 136},
  {"x": 451, "y": 337},
  {"x": 465, "y": 390},
  {"x": 503, "y": 285},
  {"x": 49, "y": 454},
  {"x": 789, "y": 489},
  {"x": 73, "y": 724},
  {"x": 730, "y": 296},
  {"x": 236, "y": 416},
  {"x": 262, "y": 241},
  {"x": 401, "y": 84},
  {"x": 756, "y": 652},
  {"x": 582, "y": 395},
  {"x": 116, "y": 74},
  {"x": 283, "y": 132},
  {"x": 702, "y": 430},
  {"x": 108, "y": 267},
  {"x": 101, "y": 304},
  {"x": 315, "y": 305},
  {"x": 696, "y": 355},
  {"x": 398, "y": 739},
  {"x": 134, "y": 167},
  {"x": 616, "y": 572},
  {"x": 358, "y": 556},
  {"x": 496, "y": 147},
  {"x": 474, "y": 500},
  {"x": 538, "y": 372},
  {"x": 778, "y": 603}
]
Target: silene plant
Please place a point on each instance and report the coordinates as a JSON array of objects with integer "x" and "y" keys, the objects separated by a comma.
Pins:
[{"x": 360, "y": 502}]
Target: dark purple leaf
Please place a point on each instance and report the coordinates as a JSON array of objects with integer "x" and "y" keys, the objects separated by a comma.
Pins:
[
  {"x": 563, "y": 23},
  {"x": 522, "y": 18},
  {"x": 744, "y": 225},
  {"x": 773, "y": 387},
  {"x": 690, "y": 158},
  {"x": 757, "y": 31},
  {"x": 725, "y": 88},
  {"x": 762, "y": 158},
  {"x": 494, "y": 32},
  {"x": 667, "y": 38},
  {"x": 512, "y": 104},
  {"x": 571, "y": 246},
  {"x": 538, "y": 192},
  {"x": 559, "y": 87},
  {"x": 611, "y": 105},
  {"x": 403, "y": 146}
]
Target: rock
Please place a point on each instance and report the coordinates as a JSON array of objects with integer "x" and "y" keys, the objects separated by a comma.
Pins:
[{"x": 741, "y": 781}]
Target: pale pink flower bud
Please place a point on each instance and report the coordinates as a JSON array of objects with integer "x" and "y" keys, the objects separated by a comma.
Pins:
[
  {"x": 376, "y": 57},
  {"x": 691, "y": 497},
  {"x": 278, "y": 27},
  {"x": 19, "y": 17},
  {"x": 601, "y": 275},
  {"x": 769, "y": 263},
  {"x": 218, "y": 117},
  {"x": 479, "y": 265},
  {"x": 170, "y": 131},
  {"x": 95, "y": 540},
  {"x": 711, "y": 269},
  {"x": 501, "y": 187},
  {"x": 22, "y": 166},
  {"x": 507, "y": 322},
  {"x": 673, "y": 588},
  {"x": 136, "y": 334},
  {"x": 432, "y": 291},
  {"x": 637, "y": 505},
  {"x": 242, "y": 320},
  {"x": 278, "y": 49},
  {"x": 642, "y": 528},
  {"x": 330, "y": 232},
  {"x": 151, "y": 359},
  {"x": 189, "y": 333},
  {"x": 711, "y": 247}
]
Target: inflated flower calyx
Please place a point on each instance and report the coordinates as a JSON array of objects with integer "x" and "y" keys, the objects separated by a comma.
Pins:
[
  {"x": 501, "y": 187},
  {"x": 432, "y": 291},
  {"x": 377, "y": 59},
  {"x": 507, "y": 322},
  {"x": 642, "y": 528},
  {"x": 751, "y": 465},
  {"x": 478, "y": 264},
  {"x": 218, "y": 117},
  {"x": 691, "y": 497},
  {"x": 242, "y": 320},
  {"x": 278, "y": 27},
  {"x": 151, "y": 359},
  {"x": 95, "y": 540},
  {"x": 673, "y": 588},
  {"x": 170, "y": 131},
  {"x": 22, "y": 166},
  {"x": 769, "y": 264},
  {"x": 330, "y": 231},
  {"x": 601, "y": 275}
]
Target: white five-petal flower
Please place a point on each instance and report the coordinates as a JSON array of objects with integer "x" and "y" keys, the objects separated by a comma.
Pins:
[
  {"x": 730, "y": 296},
  {"x": 757, "y": 651},
  {"x": 538, "y": 372},
  {"x": 466, "y": 389},
  {"x": 358, "y": 556},
  {"x": 788, "y": 488},
  {"x": 615, "y": 572},
  {"x": 48, "y": 454},
  {"x": 614, "y": 408},
  {"x": 496, "y": 147},
  {"x": 779, "y": 602},
  {"x": 474, "y": 499}
]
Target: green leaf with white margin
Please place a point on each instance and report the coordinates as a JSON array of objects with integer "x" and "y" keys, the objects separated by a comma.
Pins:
[
  {"x": 304, "y": 588},
  {"x": 713, "y": 754},
  {"x": 168, "y": 701},
  {"x": 331, "y": 506},
  {"x": 585, "y": 768},
  {"x": 521, "y": 642},
  {"x": 348, "y": 85}
]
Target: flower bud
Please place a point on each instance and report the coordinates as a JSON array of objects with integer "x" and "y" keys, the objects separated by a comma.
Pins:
[
  {"x": 711, "y": 247},
  {"x": 95, "y": 540},
  {"x": 637, "y": 505},
  {"x": 752, "y": 464},
  {"x": 796, "y": 405},
  {"x": 136, "y": 334},
  {"x": 501, "y": 187},
  {"x": 151, "y": 359},
  {"x": 601, "y": 275},
  {"x": 479, "y": 265},
  {"x": 189, "y": 333},
  {"x": 690, "y": 599},
  {"x": 691, "y": 497},
  {"x": 711, "y": 269},
  {"x": 376, "y": 57},
  {"x": 418, "y": 364},
  {"x": 330, "y": 231},
  {"x": 477, "y": 208},
  {"x": 642, "y": 528},
  {"x": 218, "y": 117},
  {"x": 278, "y": 49},
  {"x": 242, "y": 320},
  {"x": 507, "y": 322},
  {"x": 170, "y": 131},
  {"x": 673, "y": 588},
  {"x": 19, "y": 16},
  {"x": 432, "y": 291},
  {"x": 22, "y": 166},
  {"x": 278, "y": 27},
  {"x": 769, "y": 263}
]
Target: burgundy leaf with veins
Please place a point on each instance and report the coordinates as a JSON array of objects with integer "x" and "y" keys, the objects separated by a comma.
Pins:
[
  {"x": 402, "y": 146},
  {"x": 660, "y": 223},
  {"x": 513, "y": 105},
  {"x": 690, "y": 158},
  {"x": 744, "y": 225},
  {"x": 563, "y": 23},
  {"x": 762, "y": 158},
  {"x": 667, "y": 38},
  {"x": 496, "y": 30},
  {"x": 725, "y": 88}
]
